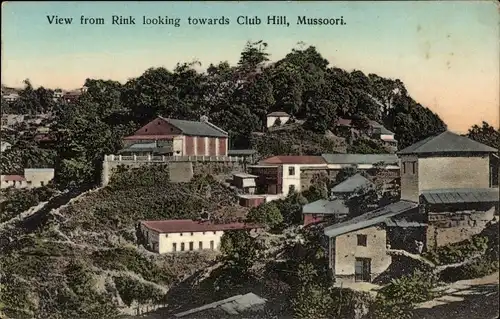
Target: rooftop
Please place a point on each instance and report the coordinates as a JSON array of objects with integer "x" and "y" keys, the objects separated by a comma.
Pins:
[
  {"x": 241, "y": 152},
  {"x": 447, "y": 142},
  {"x": 352, "y": 184},
  {"x": 370, "y": 219},
  {"x": 13, "y": 178},
  {"x": 294, "y": 159},
  {"x": 196, "y": 128},
  {"x": 461, "y": 195},
  {"x": 189, "y": 225},
  {"x": 278, "y": 113},
  {"x": 327, "y": 207},
  {"x": 386, "y": 159},
  {"x": 244, "y": 175}
]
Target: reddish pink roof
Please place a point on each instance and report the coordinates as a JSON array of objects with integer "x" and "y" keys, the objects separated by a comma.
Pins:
[
  {"x": 11, "y": 178},
  {"x": 189, "y": 225},
  {"x": 305, "y": 160},
  {"x": 149, "y": 137}
]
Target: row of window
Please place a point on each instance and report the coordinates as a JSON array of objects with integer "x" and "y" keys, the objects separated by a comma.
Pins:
[
  {"x": 191, "y": 246},
  {"x": 412, "y": 165}
]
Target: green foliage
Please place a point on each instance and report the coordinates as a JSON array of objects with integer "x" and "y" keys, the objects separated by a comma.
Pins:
[
  {"x": 399, "y": 298},
  {"x": 485, "y": 134},
  {"x": 476, "y": 269},
  {"x": 291, "y": 208},
  {"x": 19, "y": 200},
  {"x": 130, "y": 259},
  {"x": 240, "y": 252},
  {"x": 458, "y": 252},
  {"x": 131, "y": 290},
  {"x": 266, "y": 214}
]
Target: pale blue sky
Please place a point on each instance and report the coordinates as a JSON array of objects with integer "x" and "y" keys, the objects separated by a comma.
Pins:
[{"x": 447, "y": 53}]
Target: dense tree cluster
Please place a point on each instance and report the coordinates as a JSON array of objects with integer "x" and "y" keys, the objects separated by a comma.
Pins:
[{"x": 236, "y": 98}]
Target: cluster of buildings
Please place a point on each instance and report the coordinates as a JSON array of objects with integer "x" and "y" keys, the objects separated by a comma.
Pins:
[
  {"x": 447, "y": 185},
  {"x": 11, "y": 95}
]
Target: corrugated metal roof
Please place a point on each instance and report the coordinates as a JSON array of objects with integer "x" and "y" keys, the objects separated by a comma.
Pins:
[
  {"x": 352, "y": 184},
  {"x": 461, "y": 195},
  {"x": 327, "y": 207},
  {"x": 233, "y": 305},
  {"x": 294, "y": 159},
  {"x": 196, "y": 128},
  {"x": 371, "y": 218},
  {"x": 241, "y": 152},
  {"x": 403, "y": 223},
  {"x": 447, "y": 142},
  {"x": 387, "y": 159}
]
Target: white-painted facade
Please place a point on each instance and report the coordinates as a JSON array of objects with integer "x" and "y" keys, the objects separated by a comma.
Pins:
[
  {"x": 291, "y": 176},
  {"x": 360, "y": 166},
  {"x": 272, "y": 119}
]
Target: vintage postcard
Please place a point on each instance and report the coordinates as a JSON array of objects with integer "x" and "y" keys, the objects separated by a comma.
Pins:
[{"x": 240, "y": 159}]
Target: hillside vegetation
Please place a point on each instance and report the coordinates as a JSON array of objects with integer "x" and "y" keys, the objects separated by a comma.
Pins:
[{"x": 83, "y": 261}]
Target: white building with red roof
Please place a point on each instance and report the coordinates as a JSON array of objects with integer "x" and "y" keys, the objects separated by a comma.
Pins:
[
  {"x": 32, "y": 178},
  {"x": 177, "y": 235}
]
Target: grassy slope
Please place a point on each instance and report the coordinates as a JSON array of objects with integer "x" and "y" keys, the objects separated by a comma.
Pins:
[{"x": 96, "y": 236}]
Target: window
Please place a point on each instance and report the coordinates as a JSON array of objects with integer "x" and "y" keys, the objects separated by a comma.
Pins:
[
  {"x": 145, "y": 130},
  {"x": 212, "y": 244},
  {"x": 181, "y": 234},
  {"x": 174, "y": 247},
  {"x": 191, "y": 246},
  {"x": 404, "y": 167},
  {"x": 413, "y": 167},
  {"x": 192, "y": 234},
  {"x": 362, "y": 240},
  {"x": 200, "y": 245},
  {"x": 182, "y": 246},
  {"x": 291, "y": 171},
  {"x": 215, "y": 233},
  {"x": 362, "y": 269}
]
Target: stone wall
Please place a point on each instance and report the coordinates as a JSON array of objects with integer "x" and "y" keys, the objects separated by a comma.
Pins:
[
  {"x": 444, "y": 229},
  {"x": 181, "y": 169}
]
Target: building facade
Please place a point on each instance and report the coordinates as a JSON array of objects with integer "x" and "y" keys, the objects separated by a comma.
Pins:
[
  {"x": 271, "y": 118},
  {"x": 445, "y": 161},
  {"x": 170, "y": 236},
  {"x": 173, "y": 137},
  {"x": 32, "y": 178}
]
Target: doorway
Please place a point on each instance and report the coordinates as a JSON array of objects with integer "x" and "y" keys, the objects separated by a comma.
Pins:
[{"x": 362, "y": 271}]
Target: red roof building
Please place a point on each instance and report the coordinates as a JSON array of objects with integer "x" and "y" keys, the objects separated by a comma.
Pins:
[
  {"x": 164, "y": 136},
  {"x": 178, "y": 235}
]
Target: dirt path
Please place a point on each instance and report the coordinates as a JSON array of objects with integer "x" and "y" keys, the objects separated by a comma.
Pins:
[{"x": 465, "y": 299}]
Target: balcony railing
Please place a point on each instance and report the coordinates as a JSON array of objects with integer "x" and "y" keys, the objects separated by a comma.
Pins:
[{"x": 161, "y": 159}]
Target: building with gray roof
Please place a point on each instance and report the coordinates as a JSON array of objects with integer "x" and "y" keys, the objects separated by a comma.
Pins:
[{"x": 352, "y": 184}]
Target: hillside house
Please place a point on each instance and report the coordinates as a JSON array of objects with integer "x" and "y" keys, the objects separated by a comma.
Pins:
[
  {"x": 358, "y": 248},
  {"x": 279, "y": 175},
  {"x": 249, "y": 156},
  {"x": 244, "y": 182},
  {"x": 447, "y": 161},
  {"x": 347, "y": 128},
  {"x": 335, "y": 208},
  {"x": 383, "y": 166},
  {"x": 72, "y": 96},
  {"x": 32, "y": 178},
  {"x": 10, "y": 97},
  {"x": 283, "y": 117},
  {"x": 449, "y": 210},
  {"x": 170, "y": 236},
  {"x": 172, "y": 137}
]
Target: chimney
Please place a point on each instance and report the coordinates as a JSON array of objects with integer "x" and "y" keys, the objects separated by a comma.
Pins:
[{"x": 204, "y": 119}]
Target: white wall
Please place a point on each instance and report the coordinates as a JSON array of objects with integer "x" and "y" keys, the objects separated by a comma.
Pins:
[
  {"x": 294, "y": 179},
  {"x": 272, "y": 119},
  {"x": 387, "y": 137},
  {"x": 178, "y": 145},
  {"x": 38, "y": 177},
  {"x": 453, "y": 172}
]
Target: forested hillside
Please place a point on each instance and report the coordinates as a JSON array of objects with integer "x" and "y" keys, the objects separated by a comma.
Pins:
[{"x": 236, "y": 98}]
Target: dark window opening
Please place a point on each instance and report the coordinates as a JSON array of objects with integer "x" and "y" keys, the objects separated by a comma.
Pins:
[
  {"x": 191, "y": 246},
  {"x": 362, "y": 240},
  {"x": 174, "y": 246},
  {"x": 212, "y": 244},
  {"x": 291, "y": 171},
  {"x": 182, "y": 246},
  {"x": 200, "y": 245}
]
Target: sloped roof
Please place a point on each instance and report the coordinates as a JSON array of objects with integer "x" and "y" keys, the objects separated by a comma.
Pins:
[
  {"x": 370, "y": 219},
  {"x": 387, "y": 159},
  {"x": 241, "y": 152},
  {"x": 196, "y": 128},
  {"x": 327, "y": 207},
  {"x": 294, "y": 159},
  {"x": 461, "y": 195},
  {"x": 12, "y": 178},
  {"x": 447, "y": 142},
  {"x": 278, "y": 113},
  {"x": 189, "y": 225},
  {"x": 352, "y": 184},
  {"x": 235, "y": 305}
]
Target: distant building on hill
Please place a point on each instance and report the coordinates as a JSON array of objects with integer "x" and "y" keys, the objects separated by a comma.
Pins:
[
  {"x": 171, "y": 137},
  {"x": 32, "y": 178},
  {"x": 179, "y": 235},
  {"x": 347, "y": 129},
  {"x": 281, "y": 117}
]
